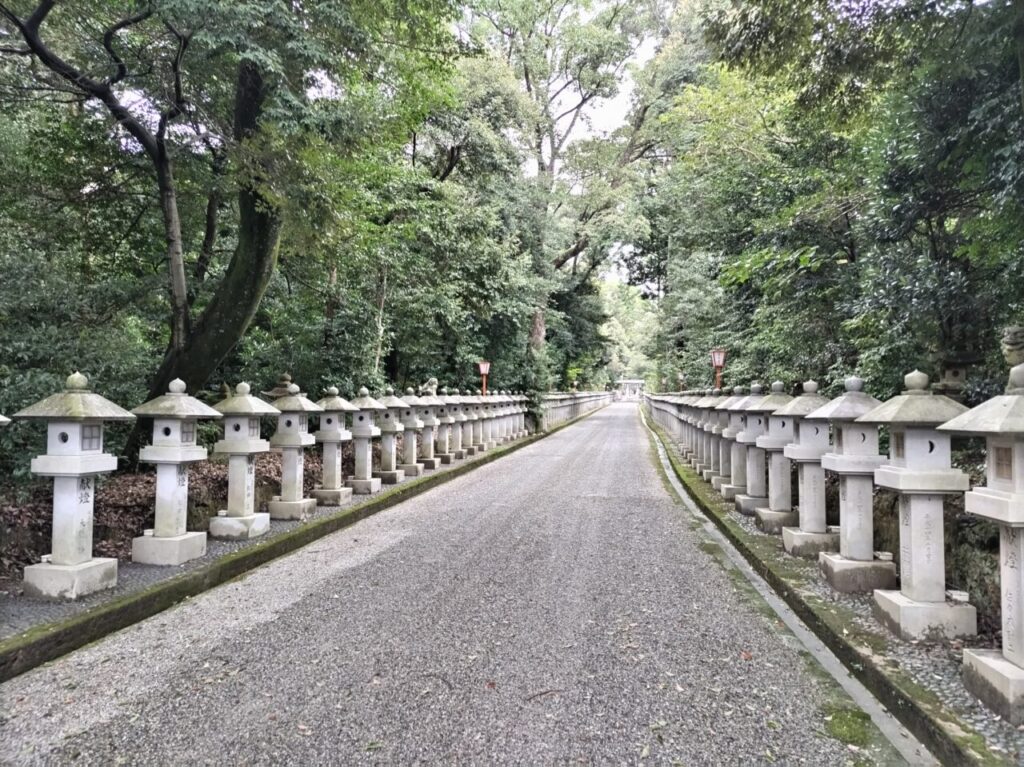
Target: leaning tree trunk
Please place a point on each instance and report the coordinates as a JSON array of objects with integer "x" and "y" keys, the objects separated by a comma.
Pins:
[{"x": 238, "y": 296}]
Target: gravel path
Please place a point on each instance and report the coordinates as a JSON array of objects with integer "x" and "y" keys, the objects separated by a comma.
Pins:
[{"x": 554, "y": 606}]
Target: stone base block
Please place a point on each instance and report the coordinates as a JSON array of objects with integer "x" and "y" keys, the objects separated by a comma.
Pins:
[
  {"x": 707, "y": 474},
  {"x": 798, "y": 543},
  {"x": 239, "y": 528},
  {"x": 748, "y": 504},
  {"x": 291, "y": 509},
  {"x": 334, "y": 497},
  {"x": 50, "y": 581},
  {"x": 912, "y": 620},
  {"x": 717, "y": 482},
  {"x": 997, "y": 682},
  {"x": 411, "y": 469},
  {"x": 364, "y": 486},
  {"x": 175, "y": 550},
  {"x": 852, "y": 576},
  {"x": 390, "y": 477},
  {"x": 447, "y": 458},
  {"x": 729, "y": 492},
  {"x": 491, "y": 445},
  {"x": 461, "y": 454},
  {"x": 772, "y": 522},
  {"x": 471, "y": 450},
  {"x": 429, "y": 464}
]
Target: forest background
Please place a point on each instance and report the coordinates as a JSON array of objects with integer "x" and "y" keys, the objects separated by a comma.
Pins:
[{"x": 377, "y": 193}]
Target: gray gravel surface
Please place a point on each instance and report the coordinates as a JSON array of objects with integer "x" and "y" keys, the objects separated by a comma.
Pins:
[{"x": 551, "y": 607}]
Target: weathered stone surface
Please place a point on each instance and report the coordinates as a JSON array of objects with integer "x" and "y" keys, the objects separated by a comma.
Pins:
[
  {"x": 52, "y": 581},
  {"x": 853, "y": 576}
]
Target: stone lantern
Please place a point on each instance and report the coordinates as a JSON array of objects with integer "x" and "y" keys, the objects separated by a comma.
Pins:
[
  {"x": 702, "y": 411},
  {"x": 390, "y": 427},
  {"x": 523, "y": 408},
  {"x": 430, "y": 411},
  {"x": 174, "y": 447},
  {"x": 241, "y": 443},
  {"x": 854, "y": 457},
  {"x": 779, "y": 511},
  {"x": 809, "y": 444},
  {"x": 713, "y": 436},
  {"x": 284, "y": 382},
  {"x": 413, "y": 425},
  {"x": 481, "y": 427},
  {"x": 720, "y": 424},
  {"x": 997, "y": 678},
  {"x": 471, "y": 428},
  {"x": 332, "y": 434},
  {"x": 755, "y": 423},
  {"x": 736, "y": 482},
  {"x": 74, "y": 457},
  {"x": 445, "y": 428},
  {"x": 489, "y": 406},
  {"x": 919, "y": 470},
  {"x": 292, "y": 437},
  {"x": 462, "y": 428},
  {"x": 363, "y": 431}
]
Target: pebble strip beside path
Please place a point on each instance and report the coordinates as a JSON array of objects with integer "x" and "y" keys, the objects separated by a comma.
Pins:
[{"x": 554, "y": 606}]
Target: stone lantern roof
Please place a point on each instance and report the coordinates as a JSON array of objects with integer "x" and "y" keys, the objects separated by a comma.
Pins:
[
  {"x": 917, "y": 406},
  {"x": 746, "y": 403},
  {"x": 75, "y": 403},
  {"x": 773, "y": 401},
  {"x": 176, "y": 405},
  {"x": 243, "y": 403},
  {"x": 365, "y": 402},
  {"x": 296, "y": 402},
  {"x": 469, "y": 399},
  {"x": 335, "y": 404},
  {"x": 848, "y": 406},
  {"x": 4, "y": 421},
  {"x": 1000, "y": 415},
  {"x": 807, "y": 402},
  {"x": 281, "y": 390},
  {"x": 410, "y": 398},
  {"x": 429, "y": 399},
  {"x": 738, "y": 393},
  {"x": 389, "y": 400},
  {"x": 450, "y": 399}
]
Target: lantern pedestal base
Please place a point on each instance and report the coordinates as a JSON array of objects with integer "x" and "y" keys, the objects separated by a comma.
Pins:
[
  {"x": 448, "y": 458},
  {"x": 173, "y": 550},
  {"x": 772, "y": 522},
  {"x": 334, "y": 497},
  {"x": 997, "y": 682},
  {"x": 239, "y": 528},
  {"x": 799, "y": 543},
  {"x": 853, "y": 576},
  {"x": 747, "y": 504},
  {"x": 429, "y": 464},
  {"x": 912, "y": 620},
  {"x": 411, "y": 469},
  {"x": 390, "y": 477},
  {"x": 707, "y": 474},
  {"x": 470, "y": 450},
  {"x": 364, "y": 486},
  {"x": 461, "y": 454},
  {"x": 50, "y": 581},
  {"x": 729, "y": 492},
  {"x": 291, "y": 509}
]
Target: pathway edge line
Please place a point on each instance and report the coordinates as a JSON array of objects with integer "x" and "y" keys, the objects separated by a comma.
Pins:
[
  {"x": 49, "y": 641},
  {"x": 899, "y": 703}
]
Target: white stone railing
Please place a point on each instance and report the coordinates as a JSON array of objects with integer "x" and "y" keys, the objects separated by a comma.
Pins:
[
  {"x": 559, "y": 408},
  {"x": 744, "y": 444}
]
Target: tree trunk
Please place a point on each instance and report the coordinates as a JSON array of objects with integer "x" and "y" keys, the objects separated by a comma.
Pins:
[
  {"x": 238, "y": 296},
  {"x": 175, "y": 255}
]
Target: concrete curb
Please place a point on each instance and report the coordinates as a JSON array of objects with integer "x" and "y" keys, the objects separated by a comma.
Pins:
[
  {"x": 947, "y": 748},
  {"x": 50, "y": 641}
]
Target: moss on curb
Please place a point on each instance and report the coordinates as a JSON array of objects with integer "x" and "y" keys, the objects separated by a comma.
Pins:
[
  {"x": 49, "y": 641},
  {"x": 950, "y": 739}
]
